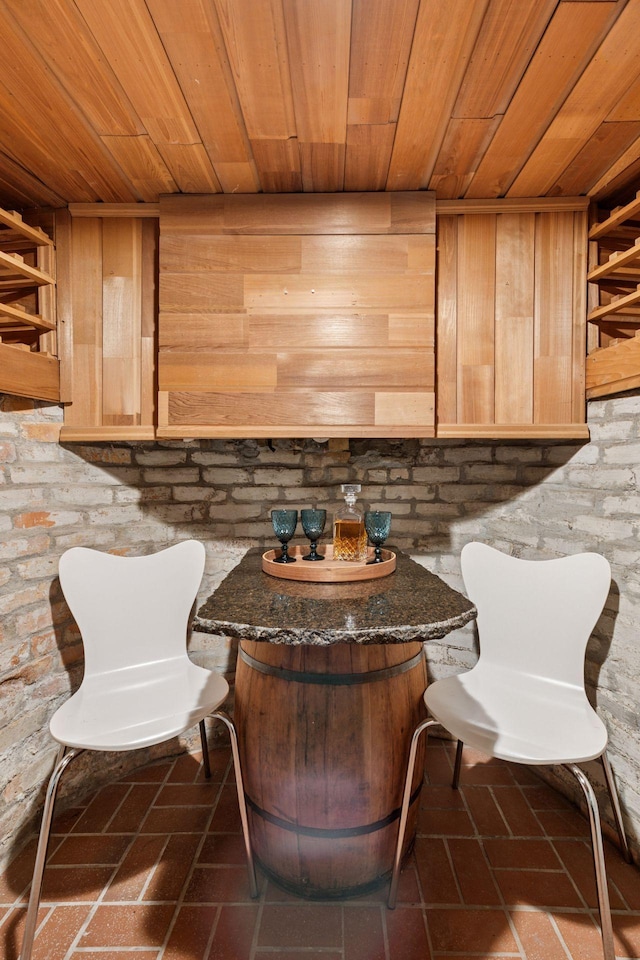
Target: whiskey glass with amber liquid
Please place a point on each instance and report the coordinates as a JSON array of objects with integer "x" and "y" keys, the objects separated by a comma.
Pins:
[{"x": 349, "y": 534}]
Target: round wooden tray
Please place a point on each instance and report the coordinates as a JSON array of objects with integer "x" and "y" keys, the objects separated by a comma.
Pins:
[{"x": 327, "y": 570}]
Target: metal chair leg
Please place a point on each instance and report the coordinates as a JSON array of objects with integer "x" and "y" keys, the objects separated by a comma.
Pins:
[
  {"x": 615, "y": 806},
  {"x": 457, "y": 765},
  {"x": 404, "y": 810},
  {"x": 606, "y": 927},
  {"x": 253, "y": 883},
  {"x": 205, "y": 750},
  {"x": 63, "y": 759}
]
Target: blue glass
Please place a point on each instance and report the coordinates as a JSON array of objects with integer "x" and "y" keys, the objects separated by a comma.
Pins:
[
  {"x": 284, "y": 524},
  {"x": 377, "y": 523},
  {"x": 313, "y": 522}
]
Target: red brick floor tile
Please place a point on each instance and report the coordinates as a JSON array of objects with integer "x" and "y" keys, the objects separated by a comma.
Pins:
[
  {"x": 580, "y": 935},
  {"x": 539, "y": 796},
  {"x": 626, "y": 932},
  {"x": 134, "y": 808},
  {"x": 154, "y": 773},
  {"x": 58, "y": 932},
  {"x": 473, "y": 874},
  {"x": 577, "y": 857},
  {"x": 176, "y": 820},
  {"x": 540, "y": 888},
  {"x": 17, "y": 876},
  {"x": 133, "y": 873},
  {"x": 222, "y": 848},
  {"x": 185, "y": 769},
  {"x": 486, "y": 775},
  {"x": 91, "y": 849},
  {"x": 188, "y": 795},
  {"x": 438, "y": 766},
  {"x": 226, "y": 817},
  {"x": 364, "y": 933},
  {"x": 99, "y": 812},
  {"x": 563, "y": 823},
  {"x": 300, "y": 925},
  {"x": 407, "y": 934},
  {"x": 485, "y": 812},
  {"x": 516, "y": 811},
  {"x": 297, "y": 955},
  {"x": 441, "y": 822},
  {"x": 170, "y": 875},
  {"x": 439, "y": 796},
  {"x": 74, "y": 883},
  {"x": 63, "y": 822},
  {"x": 537, "y": 935},
  {"x": 473, "y": 931},
  {"x": 625, "y": 876},
  {"x": 218, "y": 885},
  {"x": 524, "y": 774},
  {"x": 408, "y": 887},
  {"x": 516, "y": 853},
  {"x": 115, "y": 955},
  {"x": 130, "y": 925},
  {"x": 234, "y": 933},
  {"x": 435, "y": 872},
  {"x": 191, "y": 933}
]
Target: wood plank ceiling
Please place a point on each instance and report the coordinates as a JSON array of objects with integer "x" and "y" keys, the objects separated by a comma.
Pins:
[{"x": 125, "y": 100}]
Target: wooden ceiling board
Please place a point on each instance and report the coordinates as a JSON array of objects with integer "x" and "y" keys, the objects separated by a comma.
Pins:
[
  {"x": 381, "y": 35},
  {"x": 573, "y": 35},
  {"x": 256, "y": 43},
  {"x": 510, "y": 33},
  {"x": 60, "y": 148},
  {"x": 191, "y": 35},
  {"x": 611, "y": 70},
  {"x": 123, "y": 101},
  {"x": 442, "y": 45},
  {"x": 57, "y": 30}
]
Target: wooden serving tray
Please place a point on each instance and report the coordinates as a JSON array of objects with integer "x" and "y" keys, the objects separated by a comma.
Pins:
[{"x": 327, "y": 570}]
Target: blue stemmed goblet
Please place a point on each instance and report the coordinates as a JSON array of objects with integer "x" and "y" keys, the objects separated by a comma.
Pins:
[
  {"x": 313, "y": 522},
  {"x": 284, "y": 524},
  {"x": 377, "y": 523}
]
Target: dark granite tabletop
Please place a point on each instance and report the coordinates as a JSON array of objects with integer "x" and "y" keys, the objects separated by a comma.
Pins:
[{"x": 409, "y": 604}]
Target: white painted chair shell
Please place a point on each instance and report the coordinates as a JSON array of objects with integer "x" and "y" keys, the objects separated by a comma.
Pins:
[
  {"x": 139, "y": 686},
  {"x": 525, "y": 699}
]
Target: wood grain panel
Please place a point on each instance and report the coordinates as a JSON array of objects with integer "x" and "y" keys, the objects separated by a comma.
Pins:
[
  {"x": 26, "y": 374},
  {"x": 300, "y": 214},
  {"x": 289, "y": 296},
  {"x": 110, "y": 325},
  {"x": 475, "y": 310},
  {"x": 511, "y": 323},
  {"x": 367, "y": 155},
  {"x": 514, "y": 318}
]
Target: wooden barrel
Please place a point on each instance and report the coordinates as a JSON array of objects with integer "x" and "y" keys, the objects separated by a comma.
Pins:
[{"x": 324, "y": 740}]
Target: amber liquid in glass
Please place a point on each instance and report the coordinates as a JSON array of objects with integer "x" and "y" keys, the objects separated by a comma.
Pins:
[{"x": 349, "y": 540}]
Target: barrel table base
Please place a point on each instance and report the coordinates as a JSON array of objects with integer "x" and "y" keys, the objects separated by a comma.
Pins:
[{"x": 324, "y": 738}]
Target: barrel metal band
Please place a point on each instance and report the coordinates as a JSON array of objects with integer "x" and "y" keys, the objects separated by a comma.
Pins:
[
  {"x": 330, "y": 834},
  {"x": 336, "y": 679}
]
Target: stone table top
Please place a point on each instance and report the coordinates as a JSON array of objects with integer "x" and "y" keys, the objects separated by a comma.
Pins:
[{"x": 407, "y": 605}]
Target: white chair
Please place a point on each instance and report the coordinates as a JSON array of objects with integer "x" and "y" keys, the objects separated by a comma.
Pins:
[
  {"x": 139, "y": 686},
  {"x": 525, "y": 699}
]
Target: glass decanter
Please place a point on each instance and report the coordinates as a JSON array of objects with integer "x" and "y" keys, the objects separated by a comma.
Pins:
[{"x": 349, "y": 534}]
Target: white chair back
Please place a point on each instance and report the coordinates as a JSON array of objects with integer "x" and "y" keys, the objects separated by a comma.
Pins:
[
  {"x": 535, "y": 616},
  {"x": 154, "y": 594}
]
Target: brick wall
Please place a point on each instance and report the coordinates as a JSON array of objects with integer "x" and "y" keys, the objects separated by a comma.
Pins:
[{"x": 535, "y": 499}]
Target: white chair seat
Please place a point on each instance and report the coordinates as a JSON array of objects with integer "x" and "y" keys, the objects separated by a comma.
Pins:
[
  {"x": 518, "y": 718},
  {"x": 138, "y": 706}
]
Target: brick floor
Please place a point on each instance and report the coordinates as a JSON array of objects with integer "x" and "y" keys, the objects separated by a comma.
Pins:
[{"x": 152, "y": 868}]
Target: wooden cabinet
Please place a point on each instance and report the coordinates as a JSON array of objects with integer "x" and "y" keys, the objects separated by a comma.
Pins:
[
  {"x": 28, "y": 365},
  {"x": 299, "y": 315},
  {"x": 311, "y": 315},
  {"x": 613, "y": 363},
  {"x": 511, "y": 318}
]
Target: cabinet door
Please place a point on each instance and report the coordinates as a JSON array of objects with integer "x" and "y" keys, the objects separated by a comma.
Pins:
[
  {"x": 511, "y": 320},
  {"x": 297, "y": 315}
]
